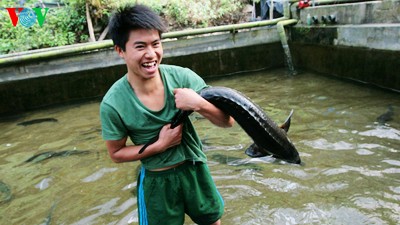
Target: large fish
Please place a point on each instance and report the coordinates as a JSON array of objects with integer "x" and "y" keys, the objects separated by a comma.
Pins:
[{"x": 268, "y": 137}]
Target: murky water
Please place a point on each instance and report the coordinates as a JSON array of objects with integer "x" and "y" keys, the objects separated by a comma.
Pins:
[{"x": 351, "y": 171}]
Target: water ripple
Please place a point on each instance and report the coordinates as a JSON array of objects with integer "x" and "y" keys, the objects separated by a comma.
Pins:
[
  {"x": 364, "y": 152},
  {"x": 97, "y": 175},
  {"x": 325, "y": 145},
  {"x": 266, "y": 159},
  {"x": 280, "y": 185},
  {"x": 335, "y": 171},
  {"x": 238, "y": 191},
  {"x": 331, "y": 187},
  {"x": 374, "y": 204},
  {"x": 310, "y": 214},
  {"x": 362, "y": 170},
  {"x": 127, "y": 205},
  {"x": 382, "y": 132},
  {"x": 102, "y": 210},
  {"x": 44, "y": 184},
  {"x": 130, "y": 186},
  {"x": 395, "y": 189},
  {"x": 392, "y": 162},
  {"x": 298, "y": 173},
  {"x": 225, "y": 148}
]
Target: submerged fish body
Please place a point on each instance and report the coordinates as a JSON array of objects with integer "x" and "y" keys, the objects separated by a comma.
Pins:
[
  {"x": 50, "y": 154},
  {"x": 36, "y": 121},
  {"x": 268, "y": 137},
  {"x": 5, "y": 193},
  {"x": 387, "y": 116}
]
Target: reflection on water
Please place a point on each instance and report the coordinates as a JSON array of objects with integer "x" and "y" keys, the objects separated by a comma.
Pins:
[{"x": 351, "y": 171}]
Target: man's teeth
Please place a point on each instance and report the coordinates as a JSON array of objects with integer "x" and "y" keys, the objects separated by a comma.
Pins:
[{"x": 149, "y": 64}]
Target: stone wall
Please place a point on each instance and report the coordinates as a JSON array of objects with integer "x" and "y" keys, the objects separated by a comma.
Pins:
[{"x": 32, "y": 84}]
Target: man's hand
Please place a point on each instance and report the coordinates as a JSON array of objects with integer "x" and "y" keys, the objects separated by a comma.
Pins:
[
  {"x": 169, "y": 137},
  {"x": 188, "y": 100}
]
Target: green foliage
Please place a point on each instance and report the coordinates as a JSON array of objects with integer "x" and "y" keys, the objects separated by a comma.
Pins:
[
  {"x": 194, "y": 13},
  {"x": 67, "y": 24},
  {"x": 62, "y": 26}
]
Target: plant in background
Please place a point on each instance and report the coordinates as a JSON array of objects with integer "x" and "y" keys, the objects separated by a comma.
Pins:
[
  {"x": 200, "y": 13},
  {"x": 97, "y": 13},
  {"x": 77, "y": 21},
  {"x": 62, "y": 26}
]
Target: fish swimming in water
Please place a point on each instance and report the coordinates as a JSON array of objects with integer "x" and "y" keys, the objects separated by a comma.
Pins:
[
  {"x": 387, "y": 116},
  {"x": 35, "y": 121},
  {"x": 5, "y": 193},
  {"x": 268, "y": 137},
  {"x": 49, "y": 217},
  {"x": 50, "y": 154}
]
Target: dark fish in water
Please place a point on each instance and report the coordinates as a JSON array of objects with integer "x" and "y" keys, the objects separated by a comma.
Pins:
[
  {"x": 269, "y": 139},
  {"x": 223, "y": 159},
  {"x": 49, "y": 217},
  {"x": 35, "y": 121},
  {"x": 387, "y": 116},
  {"x": 50, "y": 154},
  {"x": 254, "y": 151},
  {"x": 5, "y": 193}
]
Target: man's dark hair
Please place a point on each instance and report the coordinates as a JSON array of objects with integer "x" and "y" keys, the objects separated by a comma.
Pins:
[{"x": 132, "y": 17}]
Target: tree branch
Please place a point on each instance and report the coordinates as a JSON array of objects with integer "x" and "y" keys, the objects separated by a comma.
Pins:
[
  {"x": 103, "y": 34},
  {"x": 90, "y": 24}
]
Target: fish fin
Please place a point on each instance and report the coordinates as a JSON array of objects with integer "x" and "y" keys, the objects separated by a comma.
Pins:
[
  {"x": 387, "y": 116},
  {"x": 255, "y": 152},
  {"x": 286, "y": 125}
]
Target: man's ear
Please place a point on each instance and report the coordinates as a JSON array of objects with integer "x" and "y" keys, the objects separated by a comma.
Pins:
[{"x": 119, "y": 51}]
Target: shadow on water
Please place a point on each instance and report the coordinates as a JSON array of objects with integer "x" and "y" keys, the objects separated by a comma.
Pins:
[{"x": 348, "y": 136}]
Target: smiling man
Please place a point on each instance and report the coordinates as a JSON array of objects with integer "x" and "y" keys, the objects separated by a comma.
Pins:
[{"x": 174, "y": 177}]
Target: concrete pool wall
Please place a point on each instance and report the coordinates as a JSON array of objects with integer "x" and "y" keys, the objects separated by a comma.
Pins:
[
  {"x": 368, "y": 52},
  {"x": 363, "y": 43},
  {"x": 27, "y": 84}
]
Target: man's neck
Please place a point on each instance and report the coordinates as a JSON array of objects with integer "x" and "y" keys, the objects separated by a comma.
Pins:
[
  {"x": 149, "y": 91},
  {"x": 145, "y": 86}
]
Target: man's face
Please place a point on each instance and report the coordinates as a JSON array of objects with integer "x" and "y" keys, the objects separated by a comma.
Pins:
[{"x": 143, "y": 53}]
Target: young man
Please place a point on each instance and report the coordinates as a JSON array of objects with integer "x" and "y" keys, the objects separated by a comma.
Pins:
[{"x": 174, "y": 178}]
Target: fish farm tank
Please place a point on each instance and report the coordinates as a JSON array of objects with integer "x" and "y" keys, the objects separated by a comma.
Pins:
[{"x": 338, "y": 74}]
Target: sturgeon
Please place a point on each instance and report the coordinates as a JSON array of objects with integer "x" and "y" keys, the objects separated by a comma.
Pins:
[{"x": 268, "y": 137}]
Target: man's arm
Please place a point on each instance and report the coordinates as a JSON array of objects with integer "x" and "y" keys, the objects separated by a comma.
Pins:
[
  {"x": 188, "y": 99},
  {"x": 120, "y": 152}
]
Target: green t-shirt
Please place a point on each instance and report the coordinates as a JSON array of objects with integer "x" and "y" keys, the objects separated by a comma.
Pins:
[{"x": 122, "y": 114}]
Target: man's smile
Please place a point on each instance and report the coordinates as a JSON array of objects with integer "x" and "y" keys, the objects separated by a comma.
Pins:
[{"x": 149, "y": 64}]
